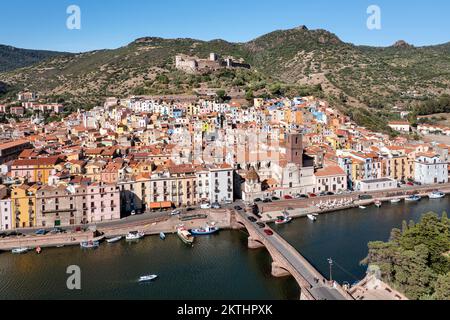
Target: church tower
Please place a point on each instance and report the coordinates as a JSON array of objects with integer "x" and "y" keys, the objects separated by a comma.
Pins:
[{"x": 294, "y": 148}]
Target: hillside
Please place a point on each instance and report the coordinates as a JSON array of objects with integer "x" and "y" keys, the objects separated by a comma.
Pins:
[
  {"x": 297, "y": 60},
  {"x": 12, "y": 58}
]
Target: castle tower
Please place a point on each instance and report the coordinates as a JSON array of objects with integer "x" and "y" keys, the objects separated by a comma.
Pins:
[{"x": 294, "y": 148}]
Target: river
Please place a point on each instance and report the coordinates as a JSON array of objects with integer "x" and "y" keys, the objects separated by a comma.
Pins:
[{"x": 217, "y": 267}]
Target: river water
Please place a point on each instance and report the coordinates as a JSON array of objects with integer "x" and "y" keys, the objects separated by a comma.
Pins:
[{"x": 217, "y": 267}]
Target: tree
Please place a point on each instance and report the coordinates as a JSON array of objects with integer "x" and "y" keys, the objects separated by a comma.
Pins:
[
  {"x": 442, "y": 287},
  {"x": 221, "y": 96}
]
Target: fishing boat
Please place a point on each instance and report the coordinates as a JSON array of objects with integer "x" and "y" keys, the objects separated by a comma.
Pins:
[
  {"x": 147, "y": 278},
  {"x": 312, "y": 217},
  {"x": 19, "y": 250},
  {"x": 283, "y": 220},
  {"x": 414, "y": 197},
  {"x": 185, "y": 235},
  {"x": 397, "y": 200},
  {"x": 436, "y": 195},
  {"x": 115, "y": 239},
  {"x": 134, "y": 235},
  {"x": 162, "y": 236},
  {"x": 362, "y": 207},
  {"x": 89, "y": 244},
  {"x": 205, "y": 231},
  {"x": 378, "y": 203}
]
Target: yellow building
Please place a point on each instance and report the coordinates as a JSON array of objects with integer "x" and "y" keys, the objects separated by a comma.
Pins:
[
  {"x": 23, "y": 203},
  {"x": 34, "y": 170}
]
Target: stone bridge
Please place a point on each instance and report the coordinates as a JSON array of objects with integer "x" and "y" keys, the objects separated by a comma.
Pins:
[{"x": 287, "y": 261}]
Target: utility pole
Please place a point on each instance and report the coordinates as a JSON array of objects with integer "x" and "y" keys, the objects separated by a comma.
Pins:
[{"x": 330, "y": 262}]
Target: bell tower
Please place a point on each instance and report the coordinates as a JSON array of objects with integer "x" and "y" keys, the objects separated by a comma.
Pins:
[{"x": 294, "y": 148}]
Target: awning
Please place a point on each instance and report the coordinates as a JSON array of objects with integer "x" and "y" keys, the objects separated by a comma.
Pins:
[{"x": 161, "y": 205}]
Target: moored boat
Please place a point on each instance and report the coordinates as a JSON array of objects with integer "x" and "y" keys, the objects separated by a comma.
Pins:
[
  {"x": 414, "y": 197},
  {"x": 185, "y": 235},
  {"x": 135, "y": 235},
  {"x": 162, "y": 236},
  {"x": 283, "y": 220},
  {"x": 362, "y": 207},
  {"x": 312, "y": 217},
  {"x": 436, "y": 195},
  {"x": 89, "y": 244},
  {"x": 115, "y": 239},
  {"x": 397, "y": 200},
  {"x": 38, "y": 250},
  {"x": 19, "y": 250},
  {"x": 147, "y": 278},
  {"x": 378, "y": 203},
  {"x": 205, "y": 231}
]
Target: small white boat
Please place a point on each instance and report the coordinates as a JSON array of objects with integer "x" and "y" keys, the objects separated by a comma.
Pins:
[
  {"x": 378, "y": 203},
  {"x": 185, "y": 235},
  {"x": 115, "y": 239},
  {"x": 413, "y": 198},
  {"x": 89, "y": 244},
  {"x": 312, "y": 217},
  {"x": 19, "y": 250},
  {"x": 436, "y": 195},
  {"x": 162, "y": 236},
  {"x": 148, "y": 278},
  {"x": 362, "y": 207},
  {"x": 135, "y": 235},
  {"x": 396, "y": 200}
]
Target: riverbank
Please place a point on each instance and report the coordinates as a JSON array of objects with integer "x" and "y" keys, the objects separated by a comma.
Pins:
[
  {"x": 221, "y": 218},
  {"x": 330, "y": 204}
]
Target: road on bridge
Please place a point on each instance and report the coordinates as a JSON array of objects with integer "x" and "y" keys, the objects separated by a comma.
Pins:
[{"x": 319, "y": 285}]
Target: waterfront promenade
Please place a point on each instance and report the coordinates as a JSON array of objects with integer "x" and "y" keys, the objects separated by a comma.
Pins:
[{"x": 154, "y": 223}]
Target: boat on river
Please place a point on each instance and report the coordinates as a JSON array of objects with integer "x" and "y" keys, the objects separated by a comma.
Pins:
[
  {"x": 207, "y": 230},
  {"x": 397, "y": 200},
  {"x": 413, "y": 198},
  {"x": 134, "y": 235},
  {"x": 378, "y": 203},
  {"x": 115, "y": 239},
  {"x": 185, "y": 235},
  {"x": 91, "y": 244},
  {"x": 436, "y": 195},
  {"x": 312, "y": 217},
  {"x": 283, "y": 220},
  {"x": 162, "y": 235},
  {"x": 19, "y": 250},
  {"x": 147, "y": 278},
  {"x": 362, "y": 207}
]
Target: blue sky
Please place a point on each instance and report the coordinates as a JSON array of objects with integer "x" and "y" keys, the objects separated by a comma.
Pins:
[{"x": 41, "y": 24}]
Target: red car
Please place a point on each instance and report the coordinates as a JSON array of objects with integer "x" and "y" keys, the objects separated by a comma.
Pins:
[
  {"x": 287, "y": 197},
  {"x": 410, "y": 184},
  {"x": 312, "y": 195},
  {"x": 268, "y": 232}
]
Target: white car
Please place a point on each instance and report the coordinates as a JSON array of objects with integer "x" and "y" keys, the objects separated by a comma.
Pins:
[
  {"x": 205, "y": 206},
  {"x": 175, "y": 212}
]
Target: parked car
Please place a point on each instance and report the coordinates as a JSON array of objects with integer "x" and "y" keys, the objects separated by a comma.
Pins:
[
  {"x": 322, "y": 194},
  {"x": 205, "y": 206},
  {"x": 287, "y": 197},
  {"x": 275, "y": 199},
  {"x": 228, "y": 202},
  {"x": 312, "y": 195},
  {"x": 267, "y": 200},
  {"x": 268, "y": 232},
  {"x": 252, "y": 219},
  {"x": 410, "y": 184},
  {"x": 238, "y": 208},
  {"x": 190, "y": 209},
  {"x": 215, "y": 205},
  {"x": 175, "y": 212},
  {"x": 329, "y": 193},
  {"x": 41, "y": 232},
  {"x": 261, "y": 225},
  {"x": 56, "y": 230},
  {"x": 258, "y": 200}
]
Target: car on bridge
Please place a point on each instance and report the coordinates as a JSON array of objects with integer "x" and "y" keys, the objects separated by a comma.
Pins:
[
  {"x": 252, "y": 219},
  {"x": 268, "y": 232},
  {"x": 261, "y": 225}
]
